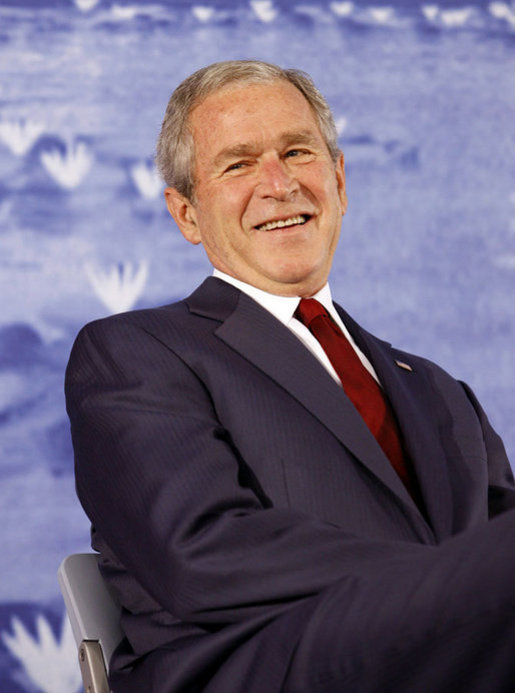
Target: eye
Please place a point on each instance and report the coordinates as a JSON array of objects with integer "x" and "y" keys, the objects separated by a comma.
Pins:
[
  {"x": 291, "y": 153},
  {"x": 236, "y": 166}
]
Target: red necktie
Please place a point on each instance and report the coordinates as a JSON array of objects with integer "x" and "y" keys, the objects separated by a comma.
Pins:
[{"x": 359, "y": 385}]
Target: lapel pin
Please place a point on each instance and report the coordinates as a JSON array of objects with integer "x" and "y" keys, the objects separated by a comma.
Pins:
[{"x": 403, "y": 365}]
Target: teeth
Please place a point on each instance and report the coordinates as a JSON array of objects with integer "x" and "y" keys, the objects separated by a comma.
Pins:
[{"x": 270, "y": 225}]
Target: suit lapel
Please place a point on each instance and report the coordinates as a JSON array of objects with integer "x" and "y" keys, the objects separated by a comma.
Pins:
[
  {"x": 408, "y": 394},
  {"x": 271, "y": 347}
]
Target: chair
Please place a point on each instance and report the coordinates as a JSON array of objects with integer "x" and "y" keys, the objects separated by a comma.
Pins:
[{"x": 94, "y": 615}]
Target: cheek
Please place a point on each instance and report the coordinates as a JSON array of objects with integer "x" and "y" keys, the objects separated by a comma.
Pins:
[
  {"x": 321, "y": 183},
  {"x": 230, "y": 204},
  {"x": 238, "y": 196}
]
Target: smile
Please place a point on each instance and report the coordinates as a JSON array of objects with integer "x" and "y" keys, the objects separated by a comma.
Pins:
[{"x": 282, "y": 223}]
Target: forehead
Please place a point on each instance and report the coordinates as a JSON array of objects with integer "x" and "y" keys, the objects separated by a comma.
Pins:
[{"x": 241, "y": 113}]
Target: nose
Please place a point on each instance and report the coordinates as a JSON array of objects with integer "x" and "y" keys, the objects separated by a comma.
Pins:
[{"x": 276, "y": 179}]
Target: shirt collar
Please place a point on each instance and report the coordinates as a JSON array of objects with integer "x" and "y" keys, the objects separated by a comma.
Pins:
[{"x": 282, "y": 307}]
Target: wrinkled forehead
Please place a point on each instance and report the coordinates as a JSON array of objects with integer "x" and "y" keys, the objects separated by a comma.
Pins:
[
  {"x": 246, "y": 112},
  {"x": 225, "y": 94}
]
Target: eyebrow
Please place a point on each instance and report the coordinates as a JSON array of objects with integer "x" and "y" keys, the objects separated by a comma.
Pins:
[{"x": 241, "y": 150}]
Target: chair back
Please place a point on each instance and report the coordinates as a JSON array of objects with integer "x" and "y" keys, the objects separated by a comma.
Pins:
[{"x": 94, "y": 616}]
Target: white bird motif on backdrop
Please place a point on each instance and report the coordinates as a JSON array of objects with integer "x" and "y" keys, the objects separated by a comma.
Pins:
[
  {"x": 51, "y": 664},
  {"x": 147, "y": 180},
  {"x": 430, "y": 12},
  {"x": 381, "y": 15},
  {"x": 342, "y": 9},
  {"x": 124, "y": 12},
  {"x": 454, "y": 18},
  {"x": 203, "y": 13},
  {"x": 500, "y": 10},
  {"x": 119, "y": 287},
  {"x": 20, "y": 135},
  {"x": 86, "y": 5},
  {"x": 447, "y": 18},
  {"x": 68, "y": 169},
  {"x": 264, "y": 10}
]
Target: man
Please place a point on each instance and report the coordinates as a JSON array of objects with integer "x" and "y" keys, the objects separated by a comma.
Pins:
[{"x": 265, "y": 526}]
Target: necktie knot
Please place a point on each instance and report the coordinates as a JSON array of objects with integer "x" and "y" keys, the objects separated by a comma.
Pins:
[{"x": 309, "y": 309}]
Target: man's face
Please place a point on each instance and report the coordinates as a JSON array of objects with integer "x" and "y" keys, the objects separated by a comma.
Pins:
[{"x": 268, "y": 198}]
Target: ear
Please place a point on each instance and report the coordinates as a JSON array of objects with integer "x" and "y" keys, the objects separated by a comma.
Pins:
[
  {"x": 340, "y": 182},
  {"x": 183, "y": 211}
]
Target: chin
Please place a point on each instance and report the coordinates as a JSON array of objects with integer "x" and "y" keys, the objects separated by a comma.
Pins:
[
  {"x": 298, "y": 285},
  {"x": 298, "y": 273}
]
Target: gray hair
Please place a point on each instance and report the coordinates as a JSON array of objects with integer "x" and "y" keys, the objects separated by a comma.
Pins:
[{"x": 175, "y": 146}]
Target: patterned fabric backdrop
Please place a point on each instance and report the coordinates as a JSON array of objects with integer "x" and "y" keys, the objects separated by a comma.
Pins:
[{"x": 424, "y": 98}]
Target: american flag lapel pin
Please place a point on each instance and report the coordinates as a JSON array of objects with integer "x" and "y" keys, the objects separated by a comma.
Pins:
[{"x": 404, "y": 365}]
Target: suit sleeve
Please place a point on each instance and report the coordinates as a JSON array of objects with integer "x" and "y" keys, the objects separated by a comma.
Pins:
[
  {"x": 501, "y": 491},
  {"x": 159, "y": 480}
]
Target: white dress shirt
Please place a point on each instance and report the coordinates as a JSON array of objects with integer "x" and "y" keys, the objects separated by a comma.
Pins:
[{"x": 284, "y": 307}]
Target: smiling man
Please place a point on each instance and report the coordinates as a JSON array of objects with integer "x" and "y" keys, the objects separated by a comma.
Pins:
[
  {"x": 283, "y": 502},
  {"x": 268, "y": 195}
]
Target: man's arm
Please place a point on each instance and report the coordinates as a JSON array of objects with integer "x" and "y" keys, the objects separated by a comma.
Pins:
[
  {"x": 501, "y": 491},
  {"x": 158, "y": 477}
]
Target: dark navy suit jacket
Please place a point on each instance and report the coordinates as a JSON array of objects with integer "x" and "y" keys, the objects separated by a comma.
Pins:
[{"x": 256, "y": 534}]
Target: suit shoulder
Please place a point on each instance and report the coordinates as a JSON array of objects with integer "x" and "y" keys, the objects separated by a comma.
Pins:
[
  {"x": 141, "y": 317},
  {"x": 143, "y": 321},
  {"x": 133, "y": 336}
]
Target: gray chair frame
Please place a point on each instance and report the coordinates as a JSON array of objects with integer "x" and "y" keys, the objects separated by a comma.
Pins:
[{"x": 94, "y": 616}]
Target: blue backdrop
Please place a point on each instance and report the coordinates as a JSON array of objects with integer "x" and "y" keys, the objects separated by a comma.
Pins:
[{"x": 424, "y": 100}]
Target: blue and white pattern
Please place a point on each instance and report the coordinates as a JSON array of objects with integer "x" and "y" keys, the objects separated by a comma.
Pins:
[{"x": 424, "y": 97}]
